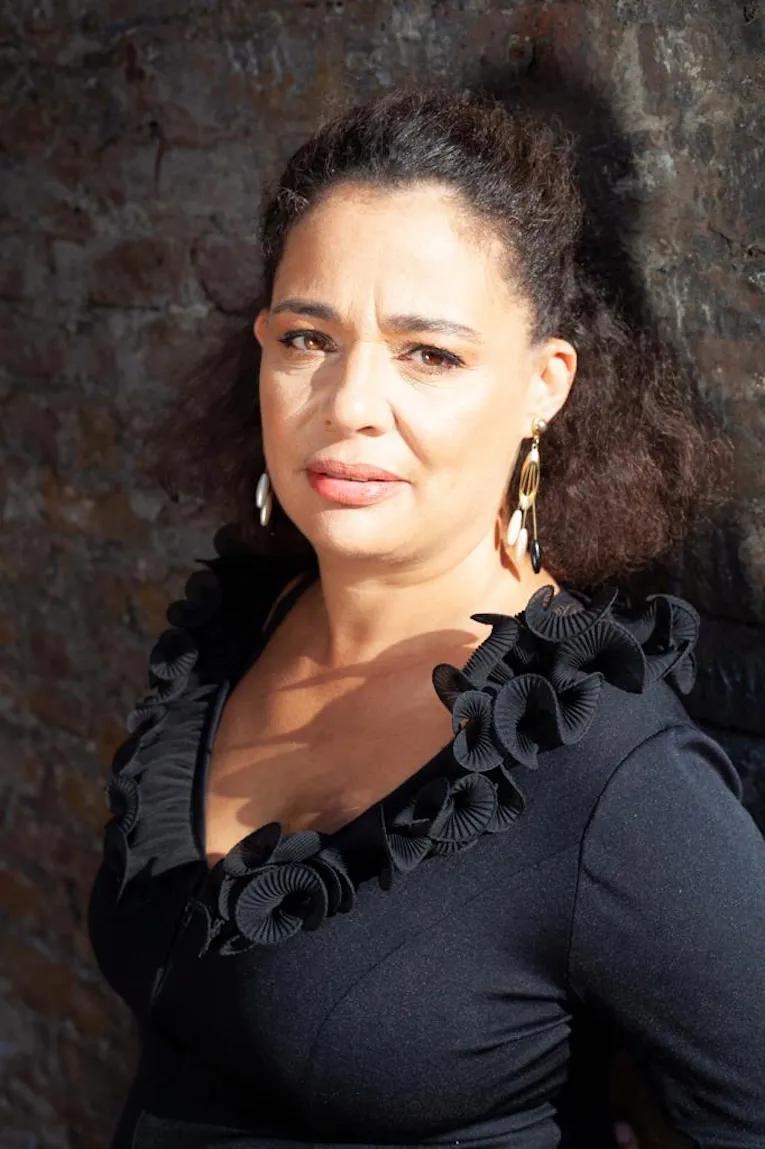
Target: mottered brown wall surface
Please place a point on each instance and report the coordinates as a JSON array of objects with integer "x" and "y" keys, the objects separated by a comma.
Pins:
[{"x": 136, "y": 137}]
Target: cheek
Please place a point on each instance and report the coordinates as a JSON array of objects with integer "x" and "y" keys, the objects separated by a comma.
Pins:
[
  {"x": 468, "y": 470},
  {"x": 469, "y": 439},
  {"x": 281, "y": 401}
]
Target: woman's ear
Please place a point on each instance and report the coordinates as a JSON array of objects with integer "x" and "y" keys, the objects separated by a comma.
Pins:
[
  {"x": 554, "y": 372},
  {"x": 260, "y": 324}
]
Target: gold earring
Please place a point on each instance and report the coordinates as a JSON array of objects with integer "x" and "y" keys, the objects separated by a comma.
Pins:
[{"x": 517, "y": 535}]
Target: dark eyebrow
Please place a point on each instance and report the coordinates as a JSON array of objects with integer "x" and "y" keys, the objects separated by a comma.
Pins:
[{"x": 397, "y": 323}]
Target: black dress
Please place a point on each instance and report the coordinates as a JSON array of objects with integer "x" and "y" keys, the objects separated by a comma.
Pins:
[{"x": 573, "y": 872}]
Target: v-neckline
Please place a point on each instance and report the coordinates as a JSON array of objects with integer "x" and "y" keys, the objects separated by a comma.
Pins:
[
  {"x": 273, "y": 619},
  {"x": 533, "y": 684}
]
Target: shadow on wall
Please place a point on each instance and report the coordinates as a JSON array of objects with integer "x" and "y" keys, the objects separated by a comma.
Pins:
[{"x": 727, "y": 697}]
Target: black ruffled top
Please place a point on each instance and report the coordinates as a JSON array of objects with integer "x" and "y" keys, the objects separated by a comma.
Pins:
[
  {"x": 573, "y": 865},
  {"x": 535, "y": 683}
]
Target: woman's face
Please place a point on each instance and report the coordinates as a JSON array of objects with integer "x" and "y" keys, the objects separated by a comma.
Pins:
[{"x": 344, "y": 376}]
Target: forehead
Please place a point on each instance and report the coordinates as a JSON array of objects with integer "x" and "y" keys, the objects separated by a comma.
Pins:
[{"x": 410, "y": 248}]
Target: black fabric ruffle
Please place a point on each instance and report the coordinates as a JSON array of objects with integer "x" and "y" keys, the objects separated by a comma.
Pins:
[{"x": 533, "y": 683}]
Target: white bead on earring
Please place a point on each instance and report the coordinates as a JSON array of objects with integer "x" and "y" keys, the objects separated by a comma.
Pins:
[{"x": 264, "y": 498}]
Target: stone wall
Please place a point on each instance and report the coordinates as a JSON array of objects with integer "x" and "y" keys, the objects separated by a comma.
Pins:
[{"x": 135, "y": 139}]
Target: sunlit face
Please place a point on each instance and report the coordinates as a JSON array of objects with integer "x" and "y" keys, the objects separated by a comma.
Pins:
[{"x": 444, "y": 409}]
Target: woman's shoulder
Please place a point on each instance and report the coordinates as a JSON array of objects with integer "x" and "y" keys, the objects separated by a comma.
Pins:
[
  {"x": 212, "y": 628},
  {"x": 593, "y": 672},
  {"x": 556, "y": 697},
  {"x": 643, "y": 740},
  {"x": 229, "y": 601}
]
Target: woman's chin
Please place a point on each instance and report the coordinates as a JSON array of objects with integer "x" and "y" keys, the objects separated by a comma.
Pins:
[{"x": 333, "y": 534}]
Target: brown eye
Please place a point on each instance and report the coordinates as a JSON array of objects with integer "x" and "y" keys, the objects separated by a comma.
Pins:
[
  {"x": 446, "y": 358},
  {"x": 290, "y": 336}
]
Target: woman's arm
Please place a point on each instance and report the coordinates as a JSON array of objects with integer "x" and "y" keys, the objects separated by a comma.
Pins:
[{"x": 668, "y": 935}]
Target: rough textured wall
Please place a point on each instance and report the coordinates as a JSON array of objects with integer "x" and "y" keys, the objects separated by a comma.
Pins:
[{"x": 135, "y": 141}]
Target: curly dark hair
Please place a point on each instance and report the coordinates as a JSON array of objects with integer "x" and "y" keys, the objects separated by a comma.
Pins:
[{"x": 632, "y": 457}]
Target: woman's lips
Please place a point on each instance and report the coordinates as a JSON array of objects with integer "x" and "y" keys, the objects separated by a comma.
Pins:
[{"x": 353, "y": 492}]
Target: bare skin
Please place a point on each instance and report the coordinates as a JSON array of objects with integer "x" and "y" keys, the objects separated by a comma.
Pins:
[{"x": 343, "y": 738}]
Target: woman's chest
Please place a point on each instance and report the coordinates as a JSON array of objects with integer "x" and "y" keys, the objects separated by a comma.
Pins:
[{"x": 315, "y": 756}]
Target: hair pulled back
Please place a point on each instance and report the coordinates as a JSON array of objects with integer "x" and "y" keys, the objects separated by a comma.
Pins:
[{"x": 630, "y": 457}]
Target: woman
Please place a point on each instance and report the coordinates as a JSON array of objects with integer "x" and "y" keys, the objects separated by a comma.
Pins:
[{"x": 413, "y": 831}]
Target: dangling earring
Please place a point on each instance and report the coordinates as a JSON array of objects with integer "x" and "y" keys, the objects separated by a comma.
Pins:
[
  {"x": 517, "y": 535},
  {"x": 264, "y": 498}
]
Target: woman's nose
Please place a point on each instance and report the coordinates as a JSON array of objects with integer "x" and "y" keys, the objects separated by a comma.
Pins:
[{"x": 358, "y": 394}]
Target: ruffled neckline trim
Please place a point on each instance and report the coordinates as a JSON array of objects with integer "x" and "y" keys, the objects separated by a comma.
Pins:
[{"x": 533, "y": 684}]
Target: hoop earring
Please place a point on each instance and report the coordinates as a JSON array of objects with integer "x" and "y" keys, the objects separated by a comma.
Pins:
[
  {"x": 517, "y": 535},
  {"x": 264, "y": 498}
]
